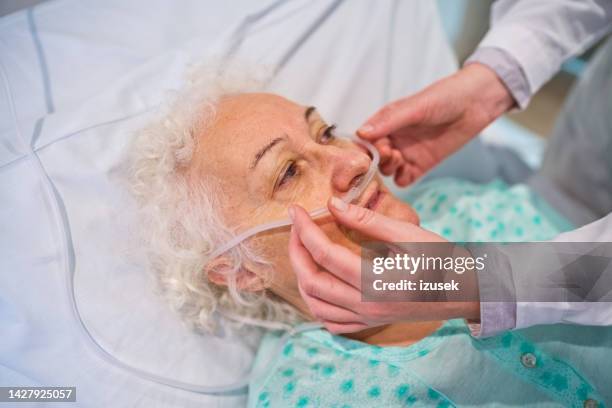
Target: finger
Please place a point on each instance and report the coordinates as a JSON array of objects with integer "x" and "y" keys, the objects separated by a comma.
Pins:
[
  {"x": 404, "y": 175},
  {"x": 301, "y": 262},
  {"x": 315, "y": 288},
  {"x": 384, "y": 149},
  {"x": 395, "y": 160},
  {"x": 392, "y": 164},
  {"x": 323, "y": 311},
  {"x": 327, "y": 287},
  {"x": 333, "y": 257},
  {"x": 339, "y": 328},
  {"x": 373, "y": 224},
  {"x": 421, "y": 158},
  {"x": 391, "y": 118}
]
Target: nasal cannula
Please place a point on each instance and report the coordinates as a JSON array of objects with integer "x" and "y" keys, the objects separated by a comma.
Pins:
[
  {"x": 290, "y": 331},
  {"x": 349, "y": 197}
]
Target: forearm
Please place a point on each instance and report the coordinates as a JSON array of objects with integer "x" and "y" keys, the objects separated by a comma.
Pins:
[{"x": 493, "y": 96}]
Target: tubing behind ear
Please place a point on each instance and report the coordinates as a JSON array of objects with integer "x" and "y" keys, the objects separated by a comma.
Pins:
[{"x": 240, "y": 384}]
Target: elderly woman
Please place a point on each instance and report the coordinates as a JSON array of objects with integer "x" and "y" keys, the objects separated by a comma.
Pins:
[{"x": 225, "y": 157}]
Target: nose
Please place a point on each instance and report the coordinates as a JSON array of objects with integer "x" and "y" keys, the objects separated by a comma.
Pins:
[{"x": 349, "y": 166}]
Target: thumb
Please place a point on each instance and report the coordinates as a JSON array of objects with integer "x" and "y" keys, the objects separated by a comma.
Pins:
[
  {"x": 373, "y": 224},
  {"x": 391, "y": 118}
]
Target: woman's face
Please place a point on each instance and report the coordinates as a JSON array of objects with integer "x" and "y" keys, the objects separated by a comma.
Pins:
[{"x": 268, "y": 152}]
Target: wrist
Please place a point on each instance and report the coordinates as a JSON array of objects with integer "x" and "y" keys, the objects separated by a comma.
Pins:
[
  {"x": 490, "y": 93},
  {"x": 464, "y": 302},
  {"x": 468, "y": 310}
]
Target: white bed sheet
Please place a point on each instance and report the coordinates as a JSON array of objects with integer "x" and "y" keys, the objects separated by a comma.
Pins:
[{"x": 83, "y": 76}]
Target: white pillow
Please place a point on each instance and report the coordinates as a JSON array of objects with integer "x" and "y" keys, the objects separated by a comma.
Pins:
[{"x": 63, "y": 206}]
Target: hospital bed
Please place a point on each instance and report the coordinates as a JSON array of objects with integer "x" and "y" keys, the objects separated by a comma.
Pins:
[{"x": 78, "y": 77}]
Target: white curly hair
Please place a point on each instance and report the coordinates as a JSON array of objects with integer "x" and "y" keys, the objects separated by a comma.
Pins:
[{"x": 182, "y": 224}]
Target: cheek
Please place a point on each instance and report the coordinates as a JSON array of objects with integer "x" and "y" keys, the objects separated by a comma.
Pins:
[
  {"x": 274, "y": 246},
  {"x": 401, "y": 211},
  {"x": 341, "y": 236}
]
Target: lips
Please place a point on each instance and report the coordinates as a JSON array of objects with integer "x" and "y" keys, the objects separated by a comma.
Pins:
[
  {"x": 373, "y": 200},
  {"x": 372, "y": 197}
]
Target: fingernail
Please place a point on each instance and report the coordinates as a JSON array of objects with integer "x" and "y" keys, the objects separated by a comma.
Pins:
[
  {"x": 367, "y": 128},
  {"x": 339, "y": 204},
  {"x": 291, "y": 213}
]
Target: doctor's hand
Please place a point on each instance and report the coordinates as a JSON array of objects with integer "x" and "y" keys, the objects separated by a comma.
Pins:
[
  {"x": 416, "y": 133},
  {"x": 329, "y": 275}
]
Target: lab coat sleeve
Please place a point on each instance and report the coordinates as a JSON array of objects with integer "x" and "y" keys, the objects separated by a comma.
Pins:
[
  {"x": 507, "y": 69},
  {"x": 496, "y": 292},
  {"x": 507, "y": 294},
  {"x": 583, "y": 313},
  {"x": 529, "y": 40}
]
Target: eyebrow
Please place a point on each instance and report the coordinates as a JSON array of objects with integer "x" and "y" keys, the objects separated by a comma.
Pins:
[
  {"x": 307, "y": 113},
  {"x": 265, "y": 150}
]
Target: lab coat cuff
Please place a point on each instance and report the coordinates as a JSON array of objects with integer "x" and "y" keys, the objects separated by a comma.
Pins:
[
  {"x": 496, "y": 291},
  {"x": 535, "y": 313},
  {"x": 507, "y": 69}
]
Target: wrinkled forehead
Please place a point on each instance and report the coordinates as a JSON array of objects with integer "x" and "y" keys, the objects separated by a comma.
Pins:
[{"x": 241, "y": 124}]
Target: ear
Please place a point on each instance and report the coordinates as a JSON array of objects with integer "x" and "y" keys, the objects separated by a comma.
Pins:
[{"x": 248, "y": 278}]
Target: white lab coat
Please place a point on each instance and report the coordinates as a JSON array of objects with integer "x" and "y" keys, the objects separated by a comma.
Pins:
[{"x": 539, "y": 36}]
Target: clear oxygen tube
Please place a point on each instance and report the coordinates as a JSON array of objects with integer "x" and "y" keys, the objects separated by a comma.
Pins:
[
  {"x": 348, "y": 198},
  {"x": 290, "y": 331},
  {"x": 64, "y": 227}
]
